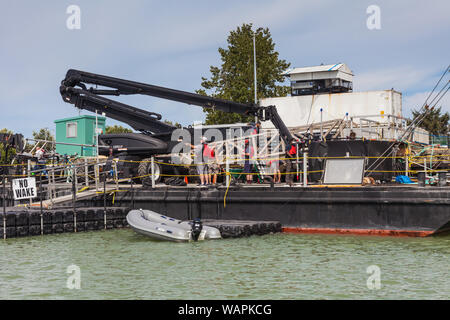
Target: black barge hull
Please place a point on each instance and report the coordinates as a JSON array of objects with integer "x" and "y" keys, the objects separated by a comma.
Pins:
[{"x": 375, "y": 210}]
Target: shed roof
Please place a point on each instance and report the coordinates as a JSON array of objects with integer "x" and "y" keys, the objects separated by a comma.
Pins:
[
  {"x": 323, "y": 68},
  {"x": 85, "y": 116}
]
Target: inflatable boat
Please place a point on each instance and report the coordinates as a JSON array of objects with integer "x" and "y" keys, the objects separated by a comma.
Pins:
[{"x": 161, "y": 227}]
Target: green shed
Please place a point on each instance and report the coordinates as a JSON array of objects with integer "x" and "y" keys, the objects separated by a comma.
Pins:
[{"x": 78, "y": 130}]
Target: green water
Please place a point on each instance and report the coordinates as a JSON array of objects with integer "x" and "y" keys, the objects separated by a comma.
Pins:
[{"x": 119, "y": 264}]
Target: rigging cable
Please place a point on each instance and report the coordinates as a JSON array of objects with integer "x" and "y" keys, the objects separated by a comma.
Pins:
[{"x": 417, "y": 120}]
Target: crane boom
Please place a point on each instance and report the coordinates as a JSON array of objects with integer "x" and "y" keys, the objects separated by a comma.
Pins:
[{"x": 74, "y": 90}]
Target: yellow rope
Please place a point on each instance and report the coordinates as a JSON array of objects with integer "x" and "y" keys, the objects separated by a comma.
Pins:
[
  {"x": 226, "y": 192},
  {"x": 82, "y": 189},
  {"x": 284, "y": 158}
]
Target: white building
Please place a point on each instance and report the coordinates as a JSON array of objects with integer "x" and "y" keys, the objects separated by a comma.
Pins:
[
  {"x": 302, "y": 110},
  {"x": 324, "y": 93},
  {"x": 320, "y": 79}
]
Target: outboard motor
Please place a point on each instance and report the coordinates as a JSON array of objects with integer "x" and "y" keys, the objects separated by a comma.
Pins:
[{"x": 196, "y": 229}]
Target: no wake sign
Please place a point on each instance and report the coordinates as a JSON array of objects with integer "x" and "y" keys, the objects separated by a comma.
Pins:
[{"x": 24, "y": 188}]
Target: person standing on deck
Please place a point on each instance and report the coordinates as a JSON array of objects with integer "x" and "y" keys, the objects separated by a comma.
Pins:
[
  {"x": 39, "y": 154},
  {"x": 274, "y": 166},
  {"x": 214, "y": 167},
  {"x": 200, "y": 161},
  {"x": 256, "y": 128},
  {"x": 208, "y": 158}
]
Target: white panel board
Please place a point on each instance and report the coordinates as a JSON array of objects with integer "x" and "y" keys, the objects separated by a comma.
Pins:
[{"x": 344, "y": 171}]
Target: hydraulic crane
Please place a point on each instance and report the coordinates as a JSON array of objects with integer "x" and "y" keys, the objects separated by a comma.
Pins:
[{"x": 78, "y": 89}]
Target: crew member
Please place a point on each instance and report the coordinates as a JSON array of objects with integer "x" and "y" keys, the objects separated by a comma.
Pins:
[
  {"x": 255, "y": 131},
  {"x": 291, "y": 154},
  {"x": 39, "y": 154},
  {"x": 208, "y": 158},
  {"x": 199, "y": 160},
  {"x": 256, "y": 128},
  {"x": 213, "y": 166},
  {"x": 274, "y": 166}
]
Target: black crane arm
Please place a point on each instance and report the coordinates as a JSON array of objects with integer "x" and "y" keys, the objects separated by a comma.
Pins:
[
  {"x": 74, "y": 90},
  {"x": 140, "y": 120},
  {"x": 125, "y": 87}
]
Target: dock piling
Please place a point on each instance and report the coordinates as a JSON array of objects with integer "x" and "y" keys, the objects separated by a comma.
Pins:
[
  {"x": 74, "y": 198},
  {"x": 40, "y": 199},
  {"x": 28, "y": 175},
  {"x": 86, "y": 172},
  {"x": 4, "y": 206},
  {"x": 153, "y": 171},
  {"x": 104, "y": 202},
  {"x": 407, "y": 166},
  {"x": 132, "y": 194},
  {"x": 305, "y": 169}
]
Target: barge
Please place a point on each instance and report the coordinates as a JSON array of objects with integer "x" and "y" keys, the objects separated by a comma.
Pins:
[
  {"x": 383, "y": 148},
  {"x": 369, "y": 210}
]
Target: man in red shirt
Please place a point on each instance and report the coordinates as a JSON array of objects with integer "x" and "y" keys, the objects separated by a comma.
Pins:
[{"x": 291, "y": 154}]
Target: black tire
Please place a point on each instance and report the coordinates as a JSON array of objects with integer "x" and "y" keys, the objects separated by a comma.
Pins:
[
  {"x": 81, "y": 174},
  {"x": 81, "y": 171},
  {"x": 145, "y": 170}
]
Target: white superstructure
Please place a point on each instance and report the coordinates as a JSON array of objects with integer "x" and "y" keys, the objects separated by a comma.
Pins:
[
  {"x": 323, "y": 94},
  {"x": 303, "y": 110}
]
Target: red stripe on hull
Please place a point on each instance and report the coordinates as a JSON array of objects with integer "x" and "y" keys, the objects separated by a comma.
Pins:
[{"x": 370, "y": 232}]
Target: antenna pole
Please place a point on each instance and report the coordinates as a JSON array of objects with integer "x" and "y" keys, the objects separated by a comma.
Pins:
[{"x": 254, "y": 70}]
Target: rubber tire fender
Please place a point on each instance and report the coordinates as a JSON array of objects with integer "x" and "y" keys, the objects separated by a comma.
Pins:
[{"x": 145, "y": 169}]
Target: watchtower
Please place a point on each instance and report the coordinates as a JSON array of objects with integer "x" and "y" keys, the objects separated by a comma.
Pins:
[{"x": 335, "y": 78}]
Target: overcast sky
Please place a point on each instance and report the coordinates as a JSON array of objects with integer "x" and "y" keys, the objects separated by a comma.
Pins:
[{"x": 173, "y": 43}]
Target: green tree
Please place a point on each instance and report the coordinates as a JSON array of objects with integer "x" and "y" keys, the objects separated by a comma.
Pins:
[
  {"x": 434, "y": 122},
  {"x": 117, "y": 129},
  {"x": 45, "y": 134},
  {"x": 11, "y": 151},
  {"x": 4, "y": 130},
  {"x": 172, "y": 124},
  {"x": 234, "y": 79}
]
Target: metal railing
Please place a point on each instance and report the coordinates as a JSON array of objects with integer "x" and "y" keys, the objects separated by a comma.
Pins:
[{"x": 59, "y": 181}]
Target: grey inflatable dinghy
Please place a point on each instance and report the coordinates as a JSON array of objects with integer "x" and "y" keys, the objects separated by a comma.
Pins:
[{"x": 161, "y": 227}]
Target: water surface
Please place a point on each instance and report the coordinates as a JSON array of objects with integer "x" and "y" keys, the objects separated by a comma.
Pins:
[{"x": 119, "y": 264}]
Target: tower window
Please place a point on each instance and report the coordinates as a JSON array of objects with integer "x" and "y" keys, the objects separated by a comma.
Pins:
[{"x": 71, "y": 130}]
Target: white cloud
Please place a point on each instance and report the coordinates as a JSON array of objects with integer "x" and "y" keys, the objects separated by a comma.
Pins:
[{"x": 400, "y": 78}]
